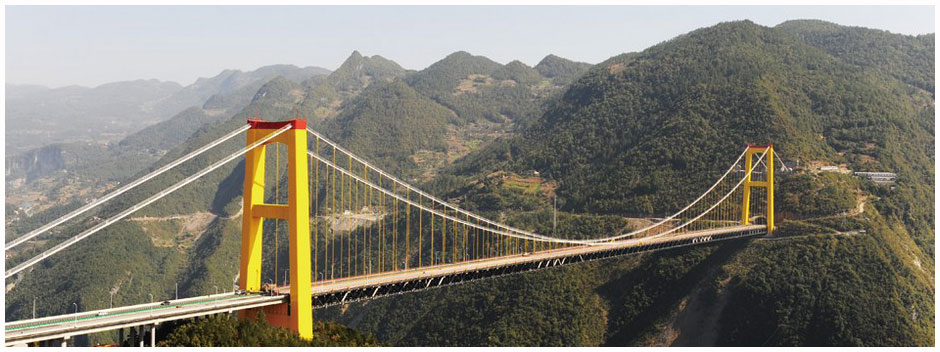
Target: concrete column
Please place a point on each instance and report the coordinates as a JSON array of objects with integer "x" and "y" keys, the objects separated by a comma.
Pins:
[
  {"x": 153, "y": 335},
  {"x": 141, "y": 335},
  {"x": 120, "y": 337},
  {"x": 65, "y": 341}
]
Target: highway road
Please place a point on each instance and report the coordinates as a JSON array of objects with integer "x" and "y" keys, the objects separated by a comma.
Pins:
[{"x": 64, "y": 326}]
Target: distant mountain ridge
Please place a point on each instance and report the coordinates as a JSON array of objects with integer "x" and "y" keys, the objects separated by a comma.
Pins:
[
  {"x": 37, "y": 115},
  {"x": 358, "y": 72},
  {"x": 229, "y": 81},
  {"x": 366, "y": 95},
  {"x": 42, "y": 172},
  {"x": 636, "y": 135}
]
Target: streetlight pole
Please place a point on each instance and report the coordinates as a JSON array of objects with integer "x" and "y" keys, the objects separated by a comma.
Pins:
[
  {"x": 34, "y": 307},
  {"x": 76, "y": 310},
  {"x": 177, "y": 291},
  {"x": 216, "y": 289},
  {"x": 111, "y": 304}
]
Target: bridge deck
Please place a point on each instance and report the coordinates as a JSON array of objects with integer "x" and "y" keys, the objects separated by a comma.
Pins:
[
  {"x": 345, "y": 290},
  {"x": 348, "y": 289}
]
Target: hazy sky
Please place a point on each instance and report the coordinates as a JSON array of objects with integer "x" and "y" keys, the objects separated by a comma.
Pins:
[{"x": 91, "y": 45}]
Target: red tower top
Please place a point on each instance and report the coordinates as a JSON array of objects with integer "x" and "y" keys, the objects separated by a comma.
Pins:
[{"x": 297, "y": 124}]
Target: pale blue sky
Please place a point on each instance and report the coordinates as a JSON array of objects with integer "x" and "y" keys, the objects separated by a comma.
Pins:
[{"x": 91, "y": 45}]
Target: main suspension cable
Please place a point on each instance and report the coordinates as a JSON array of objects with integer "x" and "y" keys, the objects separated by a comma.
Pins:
[
  {"x": 142, "y": 204},
  {"x": 524, "y": 234},
  {"x": 704, "y": 212},
  {"x": 673, "y": 216},
  {"x": 119, "y": 191}
]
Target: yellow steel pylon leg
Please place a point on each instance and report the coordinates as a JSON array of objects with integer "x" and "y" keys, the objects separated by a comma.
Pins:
[
  {"x": 768, "y": 184},
  {"x": 298, "y": 315}
]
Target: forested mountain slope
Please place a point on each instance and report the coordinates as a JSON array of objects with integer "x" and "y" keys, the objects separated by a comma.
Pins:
[
  {"x": 191, "y": 237},
  {"x": 638, "y": 135},
  {"x": 642, "y": 134}
]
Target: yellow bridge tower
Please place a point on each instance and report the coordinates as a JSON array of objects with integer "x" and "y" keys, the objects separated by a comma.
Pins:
[
  {"x": 297, "y": 314},
  {"x": 767, "y": 183}
]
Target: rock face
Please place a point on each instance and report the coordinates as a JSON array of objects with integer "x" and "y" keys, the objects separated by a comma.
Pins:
[{"x": 36, "y": 163}]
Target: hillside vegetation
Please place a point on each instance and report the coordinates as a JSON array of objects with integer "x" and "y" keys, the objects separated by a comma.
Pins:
[
  {"x": 638, "y": 135},
  {"x": 224, "y": 330},
  {"x": 206, "y": 259},
  {"x": 642, "y": 134}
]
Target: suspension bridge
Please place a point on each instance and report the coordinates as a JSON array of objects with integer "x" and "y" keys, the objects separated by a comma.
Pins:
[{"x": 356, "y": 232}]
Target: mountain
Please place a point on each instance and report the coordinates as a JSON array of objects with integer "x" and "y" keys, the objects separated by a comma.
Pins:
[
  {"x": 325, "y": 96},
  {"x": 484, "y": 100},
  {"x": 213, "y": 99},
  {"x": 464, "y": 102},
  {"x": 35, "y": 117},
  {"x": 634, "y": 136},
  {"x": 189, "y": 237},
  {"x": 641, "y": 134},
  {"x": 57, "y": 173},
  {"x": 456, "y": 82},
  {"x": 38, "y": 116},
  {"x": 906, "y": 58},
  {"x": 358, "y": 72},
  {"x": 392, "y": 122},
  {"x": 20, "y": 91},
  {"x": 443, "y": 76},
  {"x": 230, "y": 81},
  {"x": 707, "y": 93},
  {"x": 560, "y": 69},
  {"x": 519, "y": 73}
]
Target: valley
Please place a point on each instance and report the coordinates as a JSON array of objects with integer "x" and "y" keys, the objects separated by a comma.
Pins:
[{"x": 618, "y": 144}]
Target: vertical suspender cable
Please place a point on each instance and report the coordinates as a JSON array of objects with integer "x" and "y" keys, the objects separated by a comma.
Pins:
[
  {"x": 277, "y": 193},
  {"x": 316, "y": 212},
  {"x": 332, "y": 241},
  {"x": 408, "y": 231},
  {"x": 395, "y": 230}
]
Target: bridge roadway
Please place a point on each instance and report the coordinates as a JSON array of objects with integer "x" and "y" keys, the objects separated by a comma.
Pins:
[{"x": 350, "y": 289}]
